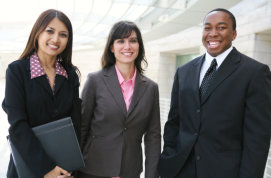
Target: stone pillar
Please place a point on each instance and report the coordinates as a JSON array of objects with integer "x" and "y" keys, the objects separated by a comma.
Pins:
[
  {"x": 166, "y": 71},
  {"x": 262, "y": 48}
]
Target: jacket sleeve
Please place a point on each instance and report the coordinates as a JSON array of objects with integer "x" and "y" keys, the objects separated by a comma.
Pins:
[
  {"x": 152, "y": 139},
  {"x": 88, "y": 104},
  {"x": 76, "y": 107},
  {"x": 257, "y": 125},
  {"x": 20, "y": 132}
]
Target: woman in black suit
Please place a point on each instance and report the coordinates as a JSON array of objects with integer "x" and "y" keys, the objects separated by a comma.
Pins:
[{"x": 42, "y": 86}]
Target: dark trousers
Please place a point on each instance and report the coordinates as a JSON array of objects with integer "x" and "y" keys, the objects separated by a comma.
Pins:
[{"x": 83, "y": 175}]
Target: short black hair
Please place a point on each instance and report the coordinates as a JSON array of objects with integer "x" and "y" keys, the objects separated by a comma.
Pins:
[{"x": 228, "y": 12}]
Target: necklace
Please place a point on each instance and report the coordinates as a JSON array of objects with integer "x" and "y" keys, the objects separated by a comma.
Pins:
[{"x": 48, "y": 70}]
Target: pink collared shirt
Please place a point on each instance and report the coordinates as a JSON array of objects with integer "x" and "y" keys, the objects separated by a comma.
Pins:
[
  {"x": 127, "y": 87},
  {"x": 36, "y": 69}
]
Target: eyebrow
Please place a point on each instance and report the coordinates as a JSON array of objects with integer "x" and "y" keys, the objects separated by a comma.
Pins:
[
  {"x": 55, "y": 29},
  {"x": 220, "y": 23}
]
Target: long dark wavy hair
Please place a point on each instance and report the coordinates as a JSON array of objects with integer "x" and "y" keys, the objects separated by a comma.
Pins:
[
  {"x": 65, "y": 58},
  {"x": 120, "y": 30}
]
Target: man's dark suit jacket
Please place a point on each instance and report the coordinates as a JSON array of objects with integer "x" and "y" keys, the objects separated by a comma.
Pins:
[
  {"x": 228, "y": 131},
  {"x": 111, "y": 136},
  {"x": 29, "y": 103}
]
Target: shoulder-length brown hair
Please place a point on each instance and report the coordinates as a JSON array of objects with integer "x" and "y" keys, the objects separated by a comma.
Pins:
[
  {"x": 65, "y": 58},
  {"x": 120, "y": 30}
]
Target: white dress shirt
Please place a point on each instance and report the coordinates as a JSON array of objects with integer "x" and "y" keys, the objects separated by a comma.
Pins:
[{"x": 208, "y": 60}]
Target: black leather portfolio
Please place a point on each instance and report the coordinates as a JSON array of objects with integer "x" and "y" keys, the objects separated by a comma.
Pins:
[{"x": 59, "y": 140}]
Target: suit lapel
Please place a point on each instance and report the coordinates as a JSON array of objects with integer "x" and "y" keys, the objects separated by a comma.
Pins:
[
  {"x": 112, "y": 84},
  {"x": 58, "y": 82},
  {"x": 140, "y": 86},
  {"x": 195, "y": 72},
  {"x": 228, "y": 66},
  {"x": 43, "y": 81}
]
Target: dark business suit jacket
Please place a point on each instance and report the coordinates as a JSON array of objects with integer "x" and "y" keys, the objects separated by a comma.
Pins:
[
  {"x": 111, "y": 136},
  {"x": 29, "y": 103},
  {"x": 227, "y": 133}
]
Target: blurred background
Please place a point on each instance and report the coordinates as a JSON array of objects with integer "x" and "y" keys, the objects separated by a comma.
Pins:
[{"x": 171, "y": 32}]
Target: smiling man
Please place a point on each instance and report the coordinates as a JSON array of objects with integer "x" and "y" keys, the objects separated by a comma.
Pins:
[{"x": 219, "y": 122}]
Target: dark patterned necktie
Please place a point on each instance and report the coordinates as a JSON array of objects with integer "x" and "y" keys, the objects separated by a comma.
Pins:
[{"x": 209, "y": 75}]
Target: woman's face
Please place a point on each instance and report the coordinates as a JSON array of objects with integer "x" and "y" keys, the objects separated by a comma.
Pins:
[
  {"x": 126, "y": 49},
  {"x": 53, "y": 40}
]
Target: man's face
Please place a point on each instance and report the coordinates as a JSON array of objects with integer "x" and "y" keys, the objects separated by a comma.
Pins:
[{"x": 218, "y": 32}]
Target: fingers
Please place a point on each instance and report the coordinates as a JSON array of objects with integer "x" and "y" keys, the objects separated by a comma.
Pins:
[
  {"x": 63, "y": 172},
  {"x": 63, "y": 176},
  {"x": 58, "y": 172}
]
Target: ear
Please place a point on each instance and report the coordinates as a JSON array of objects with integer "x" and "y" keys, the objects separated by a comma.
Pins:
[
  {"x": 112, "y": 49},
  {"x": 234, "y": 35}
]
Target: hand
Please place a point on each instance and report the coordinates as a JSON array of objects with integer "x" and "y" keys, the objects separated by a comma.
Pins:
[{"x": 57, "y": 172}]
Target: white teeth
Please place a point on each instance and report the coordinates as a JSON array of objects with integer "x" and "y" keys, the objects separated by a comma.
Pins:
[
  {"x": 53, "y": 46},
  {"x": 213, "y": 43},
  {"x": 127, "y": 54}
]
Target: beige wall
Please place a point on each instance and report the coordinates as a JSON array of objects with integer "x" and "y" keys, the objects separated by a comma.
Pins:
[
  {"x": 87, "y": 61},
  {"x": 5, "y": 59}
]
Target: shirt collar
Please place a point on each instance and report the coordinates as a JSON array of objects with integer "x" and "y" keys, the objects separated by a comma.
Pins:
[
  {"x": 36, "y": 69},
  {"x": 121, "y": 79},
  {"x": 219, "y": 59}
]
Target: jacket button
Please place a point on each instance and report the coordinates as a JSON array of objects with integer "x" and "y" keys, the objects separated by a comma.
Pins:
[
  {"x": 125, "y": 129},
  {"x": 196, "y": 134},
  {"x": 93, "y": 136},
  {"x": 198, "y": 158},
  {"x": 198, "y": 110}
]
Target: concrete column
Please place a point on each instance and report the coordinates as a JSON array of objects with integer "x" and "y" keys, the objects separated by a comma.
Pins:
[
  {"x": 262, "y": 48},
  {"x": 167, "y": 68}
]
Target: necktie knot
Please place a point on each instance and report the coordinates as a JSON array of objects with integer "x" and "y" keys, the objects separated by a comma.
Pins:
[
  {"x": 207, "y": 78},
  {"x": 212, "y": 66}
]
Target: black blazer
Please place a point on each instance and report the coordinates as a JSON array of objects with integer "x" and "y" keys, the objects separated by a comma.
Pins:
[
  {"x": 228, "y": 132},
  {"x": 30, "y": 102}
]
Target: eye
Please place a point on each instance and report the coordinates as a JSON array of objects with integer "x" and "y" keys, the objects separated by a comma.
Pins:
[
  {"x": 50, "y": 31},
  {"x": 120, "y": 41},
  {"x": 133, "y": 40},
  {"x": 64, "y": 35},
  {"x": 207, "y": 28},
  {"x": 221, "y": 28}
]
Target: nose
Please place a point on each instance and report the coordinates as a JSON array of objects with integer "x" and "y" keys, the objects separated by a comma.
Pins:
[
  {"x": 127, "y": 45},
  {"x": 213, "y": 32},
  {"x": 55, "y": 38}
]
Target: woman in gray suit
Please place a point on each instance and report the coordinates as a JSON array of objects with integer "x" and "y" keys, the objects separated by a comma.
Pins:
[{"x": 120, "y": 105}]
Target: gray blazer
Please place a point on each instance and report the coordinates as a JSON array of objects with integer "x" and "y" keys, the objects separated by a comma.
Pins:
[{"x": 111, "y": 137}]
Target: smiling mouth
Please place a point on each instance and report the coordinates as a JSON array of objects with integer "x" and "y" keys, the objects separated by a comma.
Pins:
[
  {"x": 127, "y": 54},
  {"x": 213, "y": 44},
  {"x": 53, "y": 46}
]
